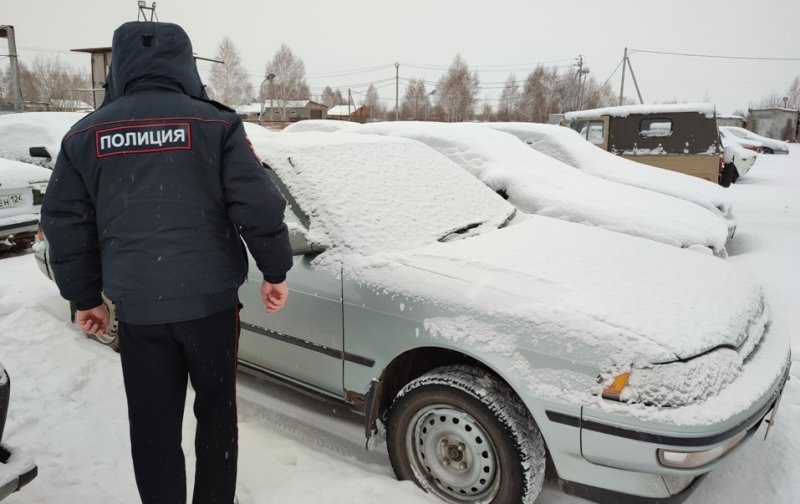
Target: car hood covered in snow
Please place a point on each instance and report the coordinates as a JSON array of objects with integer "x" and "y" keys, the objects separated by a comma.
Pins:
[{"x": 611, "y": 297}]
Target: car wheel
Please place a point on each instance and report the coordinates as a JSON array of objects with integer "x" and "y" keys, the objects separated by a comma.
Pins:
[
  {"x": 463, "y": 435},
  {"x": 111, "y": 339},
  {"x": 767, "y": 150}
]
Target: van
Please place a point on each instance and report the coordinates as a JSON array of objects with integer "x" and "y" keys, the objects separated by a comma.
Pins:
[{"x": 679, "y": 137}]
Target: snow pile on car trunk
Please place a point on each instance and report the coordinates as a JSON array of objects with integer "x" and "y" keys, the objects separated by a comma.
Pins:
[
  {"x": 536, "y": 183},
  {"x": 18, "y": 174}
]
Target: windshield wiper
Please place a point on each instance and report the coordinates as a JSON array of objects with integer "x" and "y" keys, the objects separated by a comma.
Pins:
[{"x": 459, "y": 231}]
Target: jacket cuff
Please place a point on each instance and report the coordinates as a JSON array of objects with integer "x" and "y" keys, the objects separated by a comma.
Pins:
[
  {"x": 88, "y": 303},
  {"x": 275, "y": 279}
]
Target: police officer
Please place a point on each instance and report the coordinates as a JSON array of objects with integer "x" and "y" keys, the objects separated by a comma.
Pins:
[{"x": 147, "y": 203}]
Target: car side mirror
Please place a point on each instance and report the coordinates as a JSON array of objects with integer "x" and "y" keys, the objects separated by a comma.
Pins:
[
  {"x": 39, "y": 152},
  {"x": 301, "y": 245}
]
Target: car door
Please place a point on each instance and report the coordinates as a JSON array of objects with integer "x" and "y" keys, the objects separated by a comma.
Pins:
[{"x": 303, "y": 342}]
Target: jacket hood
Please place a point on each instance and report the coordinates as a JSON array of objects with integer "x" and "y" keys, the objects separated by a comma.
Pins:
[{"x": 152, "y": 54}]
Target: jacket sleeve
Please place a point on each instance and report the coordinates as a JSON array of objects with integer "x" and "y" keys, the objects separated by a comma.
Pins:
[
  {"x": 255, "y": 206},
  {"x": 69, "y": 225}
]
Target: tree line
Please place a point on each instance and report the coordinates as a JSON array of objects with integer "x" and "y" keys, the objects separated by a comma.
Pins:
[
  {"x": 45, "y": 80},
  {"x": 454, "y": 97}
]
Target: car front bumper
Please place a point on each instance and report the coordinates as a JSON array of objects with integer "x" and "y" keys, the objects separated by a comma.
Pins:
[{"x": 614, "y": 448}]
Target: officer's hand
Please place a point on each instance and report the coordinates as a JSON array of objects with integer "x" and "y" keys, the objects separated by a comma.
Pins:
[
  {"x": 94, "y": 321},
  {"x": 274, "y": 295}
]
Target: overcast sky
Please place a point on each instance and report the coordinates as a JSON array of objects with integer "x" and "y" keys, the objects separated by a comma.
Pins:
[{"x": 350, "y": 43}]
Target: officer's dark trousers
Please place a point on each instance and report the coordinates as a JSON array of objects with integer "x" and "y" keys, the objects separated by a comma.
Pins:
[{"x": 156, "y": 362}]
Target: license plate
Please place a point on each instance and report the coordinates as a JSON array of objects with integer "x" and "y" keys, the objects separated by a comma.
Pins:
[{"x": 12, "y": 200}]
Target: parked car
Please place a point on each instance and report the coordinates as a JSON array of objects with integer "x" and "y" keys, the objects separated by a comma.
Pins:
[
  {"x": 22, "y": 188},
  {"x": 743, "y": 156},
  {"x": 320, "y": 125},
  {"x": 768, "y": 145},
  {"x": 481, "y": 342},
  {"x": 16, "y": 468},
  {"x": 40, "y": 131},
  {"x": 567, "y": 146},
  {"x": 680, "y": 137},
  {"x": 539, "y": 184}
]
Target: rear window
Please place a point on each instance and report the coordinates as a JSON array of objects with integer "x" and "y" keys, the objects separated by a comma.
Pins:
[{"x": 649, "y": 128}]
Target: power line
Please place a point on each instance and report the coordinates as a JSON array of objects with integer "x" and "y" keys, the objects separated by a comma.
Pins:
[{"x": 716, "y": 56}]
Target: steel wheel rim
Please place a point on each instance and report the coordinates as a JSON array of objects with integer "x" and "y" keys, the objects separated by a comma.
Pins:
[{"x": 452, "y": 452}]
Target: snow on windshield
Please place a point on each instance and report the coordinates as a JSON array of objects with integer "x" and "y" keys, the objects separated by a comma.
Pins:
[
  {"x": 372, "y": 194},
  {"x": 568, "y": 147},
  {"x": 19, "y": 132},
  {"x": 536, "y": 183}
]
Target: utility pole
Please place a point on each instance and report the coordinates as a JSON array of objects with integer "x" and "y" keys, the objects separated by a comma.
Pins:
[
  {"x": 622, "y": 84},
  {"x": 7, "y": 32},
  {"x": 635, "y": 84},
  {"x": 397, "y": 91},
  {"x": 349, "y": 101}
]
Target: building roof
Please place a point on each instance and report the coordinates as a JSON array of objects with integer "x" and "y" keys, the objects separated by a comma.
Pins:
[
  {"x": 657, "y": 108},
  {"x": 71, "y": 105},
  {"x": 342, "y": 110},
  {"x": 255, "y": 107},
  {"x": 775, "y": 109}
]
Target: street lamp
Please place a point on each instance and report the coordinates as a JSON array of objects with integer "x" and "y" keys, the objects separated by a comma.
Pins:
[
  {"x": 785, "y": 99},
  {"x": 269, "y": 78}
]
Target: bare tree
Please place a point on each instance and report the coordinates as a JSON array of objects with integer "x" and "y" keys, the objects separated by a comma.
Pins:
[
  {"x": 416, "y": 101},
  {"x": 772, "y": 99},
  {"x": 289, "y": 82},
  {"x": 49, "y": 79},
  {"x": 230, "y": 83},
  {"x": 457, "y": 90},
  {"x": 372, "y": 101},
  {"x": 793, "y": 94},
  {"x": 508, "y": 108}
]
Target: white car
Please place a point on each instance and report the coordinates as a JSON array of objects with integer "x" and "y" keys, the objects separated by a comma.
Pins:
[
  {"x": 538, "y": 184},
  {"x": 567, "y": 146},
  {"x": 768, "y": 145},
  {"x": 743, "y": 157},
  {"x": 22, "y": 188},
  {"x": 42, "y": 131}
]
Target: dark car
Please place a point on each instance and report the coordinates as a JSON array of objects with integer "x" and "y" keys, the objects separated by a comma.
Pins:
[{"x": 16, "y": 468}]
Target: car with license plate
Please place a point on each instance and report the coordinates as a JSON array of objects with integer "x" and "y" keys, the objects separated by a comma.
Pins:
[
  {"x": 16, "y": 468},
  {"x": 483, "y": 344},
  {"x": 22, "y": 188}
]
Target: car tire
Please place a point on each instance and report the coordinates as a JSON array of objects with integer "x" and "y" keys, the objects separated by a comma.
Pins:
[
  {"x": 767, "y": 150},
  {"x": 482, "y": 443},
  {"x": 111, "y": 339}
]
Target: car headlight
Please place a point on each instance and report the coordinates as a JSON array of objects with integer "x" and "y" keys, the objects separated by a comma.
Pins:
[
  {"x": 691, "y": 460},
  {"x": 675, "y": 383}
]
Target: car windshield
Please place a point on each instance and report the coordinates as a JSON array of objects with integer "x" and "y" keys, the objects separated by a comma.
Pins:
[{"x": 373, "y": 194}]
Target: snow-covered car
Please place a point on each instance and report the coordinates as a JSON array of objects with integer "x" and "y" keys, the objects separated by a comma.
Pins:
[
  {"x": 539, "y": 184},
  {"x": 22, "y": 188},
  {"x": 319, "y": 125},
  {"x": 480, "y": 342},
  {"x": 743, "y": 157},
  {"x": 567, "y": 146},
  {"x": 42, "y": 131},
  {"x": 768, "y": 145},
  {"x": 16, "y": 468}
]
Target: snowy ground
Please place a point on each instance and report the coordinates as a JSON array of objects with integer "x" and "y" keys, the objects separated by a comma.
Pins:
[{"x": 68, "y": 409}]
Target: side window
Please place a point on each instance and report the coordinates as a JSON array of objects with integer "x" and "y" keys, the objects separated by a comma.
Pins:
[
  {"x": 653, "y": 128},
  {"x": 596, "y": 132},
  {"x": 579, "y": 126}
]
